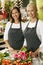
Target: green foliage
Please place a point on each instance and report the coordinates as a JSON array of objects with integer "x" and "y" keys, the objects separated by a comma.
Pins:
[
  {"x": 24, "y": 49},
  {"x": 0, "y": 3},
  {"x": 40, "y": 14},
  {"x": 6, "y": 54},
  {"x": 8, "y": 7},
  {"x": 29, "y": 58},
  {"x": 0, "y": 62},
  {"x": 34, "y": 1},
  {"x": 2, "y": 55},
  {"x": 39, "y": 4}
]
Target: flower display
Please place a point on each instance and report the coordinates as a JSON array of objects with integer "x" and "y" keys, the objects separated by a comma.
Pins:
[
  {"x": 22, "y": 58},
  {"x": 21, "y": 55},
  {"x": 6, "y": 62}
]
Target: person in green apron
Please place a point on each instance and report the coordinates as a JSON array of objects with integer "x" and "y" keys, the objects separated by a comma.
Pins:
[
  {"x": 33, "y": 32},
  {"x": 13, "y": 35}
]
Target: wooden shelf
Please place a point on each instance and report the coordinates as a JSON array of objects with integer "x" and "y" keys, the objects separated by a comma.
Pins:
[
  {"x": 1, "y": 33},
  {"x": 1, "y": 40}
]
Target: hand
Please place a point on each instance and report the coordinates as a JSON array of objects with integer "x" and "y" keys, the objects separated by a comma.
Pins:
[
  {"x": 34, "y": 54},
  {"x": 12, "y": 50}
]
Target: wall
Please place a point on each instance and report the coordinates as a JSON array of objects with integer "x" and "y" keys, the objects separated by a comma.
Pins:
[{"x": 39, "y": 4}]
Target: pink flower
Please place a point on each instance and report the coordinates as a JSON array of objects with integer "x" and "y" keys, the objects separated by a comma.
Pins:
[
  {"x": 23, "y": 55},
  {"x": 15, "y": 55},
  {"x": 19, "y": 57}
]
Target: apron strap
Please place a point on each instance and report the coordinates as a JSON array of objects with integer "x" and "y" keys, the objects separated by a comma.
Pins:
[
  {"x": 20, "y": 26},
  {"x": 36, "y": 23},
  {"x": 27, "y": 24},
  {"x": 11, "y": 25}
]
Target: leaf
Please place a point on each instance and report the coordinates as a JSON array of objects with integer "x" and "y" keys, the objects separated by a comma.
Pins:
[
  {"x": 1, "y": 55},
  {"x": 6, "y": 54},
  {"x": 24, "y": 49},
  {"x": 29, "y": 59}
]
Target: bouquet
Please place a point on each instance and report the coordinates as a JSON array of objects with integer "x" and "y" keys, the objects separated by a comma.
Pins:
[{"x": 22, "y": 57}]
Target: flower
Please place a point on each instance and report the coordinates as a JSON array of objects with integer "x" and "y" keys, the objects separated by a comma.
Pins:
[
  {"x": 6, "y": 62},
  {"x": 21, "y": 55},
  {"x": 15, "y": 55}
]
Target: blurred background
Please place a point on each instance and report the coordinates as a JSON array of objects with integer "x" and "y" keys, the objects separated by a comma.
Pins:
[{"x": 6, "y": 5}]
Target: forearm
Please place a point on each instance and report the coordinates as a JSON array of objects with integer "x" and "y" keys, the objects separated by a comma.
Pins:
[
  {"x": 7, "y": 43},
  {"x": 37, "y": 51},
  {"x": 9, "y": 47},
  {"x": 34, "y": 54}
]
